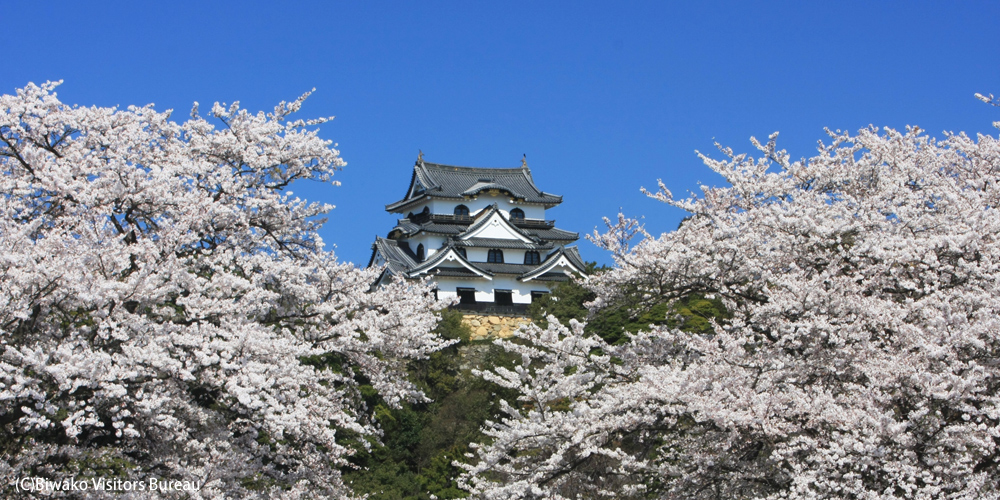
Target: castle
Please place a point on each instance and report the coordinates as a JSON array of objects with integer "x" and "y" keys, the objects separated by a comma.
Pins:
[{"x": 482, "y": 235}]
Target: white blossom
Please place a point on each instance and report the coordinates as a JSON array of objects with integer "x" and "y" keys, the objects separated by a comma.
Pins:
[
  {"x": 861, "y": 359},
  {"x": 167, "y": 312}
]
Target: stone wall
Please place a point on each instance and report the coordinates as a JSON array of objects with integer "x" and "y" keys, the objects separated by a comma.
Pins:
[{"x": 493, "y": 326}]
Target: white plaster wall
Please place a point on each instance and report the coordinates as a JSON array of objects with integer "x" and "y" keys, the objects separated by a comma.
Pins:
[
  {"x": 447, "y": 287},
  {"x": 478, "y": 254},
  {"x": 447, "y": 207},
  {"x": 450, "y": 284},
  {"x": 504, "y": 203},
  {"x": 432, "y": 243},
  {"x": 520, "y": 292},
  {"x": 416, "y": 209},
  {"x": 517, "y": 256},
  {"x": 509, "y": 256}
]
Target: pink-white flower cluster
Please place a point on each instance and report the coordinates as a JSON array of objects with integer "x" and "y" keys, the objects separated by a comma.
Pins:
[
  {"x": 167, "y": 310},
  {"x": 861, "y": 359}
]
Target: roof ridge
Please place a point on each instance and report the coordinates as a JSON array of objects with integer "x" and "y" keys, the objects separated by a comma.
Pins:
[
  {"x": 493, "y": 169},
  {"x": 454, "y": 182},
  {"x": 422, "y": 169}
]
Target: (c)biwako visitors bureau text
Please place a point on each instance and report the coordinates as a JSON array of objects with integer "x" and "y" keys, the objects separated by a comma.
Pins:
[{"x": 42, "y": 484}]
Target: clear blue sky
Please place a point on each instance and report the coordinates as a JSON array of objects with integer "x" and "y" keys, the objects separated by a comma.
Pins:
[{"x": 603, "y": 97}]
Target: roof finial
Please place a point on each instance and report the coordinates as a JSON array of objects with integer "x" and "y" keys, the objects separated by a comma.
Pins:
[
  {"x": 524, "y": 160},
  {"x": 420, "y": 156}
]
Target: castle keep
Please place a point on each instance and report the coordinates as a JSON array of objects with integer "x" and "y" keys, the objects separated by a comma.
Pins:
[{"x": 481, "y": 233}]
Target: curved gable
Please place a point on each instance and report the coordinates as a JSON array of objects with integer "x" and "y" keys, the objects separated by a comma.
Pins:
[{"x": 481, "y": 186}]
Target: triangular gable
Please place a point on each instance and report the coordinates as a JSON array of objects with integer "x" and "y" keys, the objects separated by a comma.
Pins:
[
  {"x": 375, "y": 252},
  {"x": 416, "y": 187},
  {"x": 395, "y": 258},
  {"x": 448, "y": 255},
  {"x": 573, "y": 253},
  {"x": 560, "y": 260},
  {"x": 425, "y": 177},
  {"x": 384, "y": 276},
  {"x": 413, "y": 184},
  {"x": 493, "y": 224},
  {"x": 420, "y": 182}
]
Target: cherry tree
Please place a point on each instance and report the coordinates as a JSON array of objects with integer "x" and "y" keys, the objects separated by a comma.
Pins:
[
  {"x": 168, "y": 311},
  {"x": 860, "y": 356}
]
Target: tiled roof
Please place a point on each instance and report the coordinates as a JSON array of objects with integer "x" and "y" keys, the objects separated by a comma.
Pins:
[
  {"x": 554, "y": 234},
  {"x": 573, "y": 254},
  {"x": 505, "y": 268},
  {"x": 434, "y": 261},
  {"x": 552, "y": 277},
  {"x": 502, "y": 243},
  {"x": 448, "y": 181},
  {"x": 408, "y": 228},
  {"x": 551, "y": 261},
  {"x": 400, "y": 261},
  {"x": 460, "y": 272},
  {"x": 397, "y": 259},
  {"x": 481, "y": 186}
]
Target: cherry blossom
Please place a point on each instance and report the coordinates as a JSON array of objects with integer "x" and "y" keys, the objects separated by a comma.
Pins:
[
  {"x": 168, "y": 311},
  {"x": 861, "y": 359}
]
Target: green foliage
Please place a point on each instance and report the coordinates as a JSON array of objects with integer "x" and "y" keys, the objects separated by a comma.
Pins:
[
  {"x": 566, "y": 301},
  {"x": 451, "y": 326},
  {"x": 630, "y": 315},
  {"x": 692, "y": 314},
  {"x": 420, "y": 441},
  {"x": 413, "y": 459}
]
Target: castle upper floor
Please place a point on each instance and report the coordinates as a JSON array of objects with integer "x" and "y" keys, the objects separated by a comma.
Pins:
[{"x": 453, "y": 190}]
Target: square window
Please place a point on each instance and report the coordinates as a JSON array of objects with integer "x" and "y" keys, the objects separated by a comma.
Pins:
[
  {"x": 503, "y": 297},
  {"x": 466, "y": 295}
]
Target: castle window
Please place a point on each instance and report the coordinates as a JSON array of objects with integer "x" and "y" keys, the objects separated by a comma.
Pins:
[
  {"x": 517, "y": 213},
  {"x": 466, "y": 295},
  {"x": 495, "y": 256},
  {"x": 426, "y": 210},
  {"x": 420, "y": 252},
  {"x": 537, "y": 295},
  {"x": 503, "y": 297},
  {"x": 532, "y": 258},
  {"x": 461, "y": 251},
  {"x": 462, "y": 210}
]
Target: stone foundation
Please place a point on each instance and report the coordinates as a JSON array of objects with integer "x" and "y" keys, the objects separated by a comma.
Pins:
[{"x": 484, "y": 327}]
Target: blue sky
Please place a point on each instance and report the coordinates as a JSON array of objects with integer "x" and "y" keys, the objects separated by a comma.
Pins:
[{"x": 602, "y": 97}]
